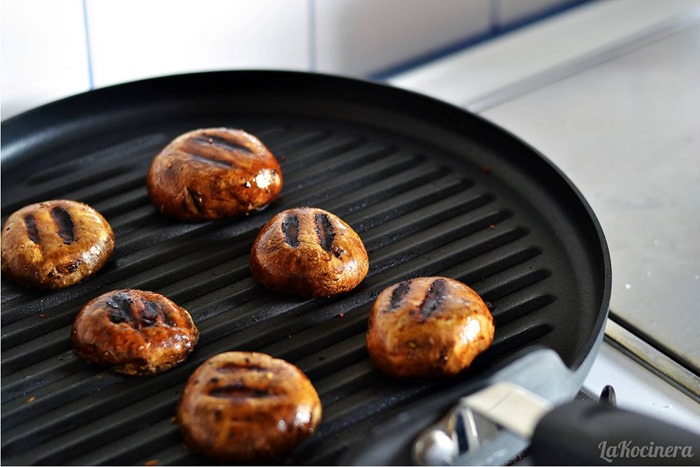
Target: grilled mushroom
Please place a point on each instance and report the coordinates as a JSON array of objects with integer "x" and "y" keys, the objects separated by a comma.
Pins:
[
  {"x": 134, "y": 332},
  {"x": 308, "y": 252},
  {"x": 428, "y": 327},
  {"x": 213, "y": 173},
  {"x": 55, "y": 244},
  {"x": 247, "y": 407}
]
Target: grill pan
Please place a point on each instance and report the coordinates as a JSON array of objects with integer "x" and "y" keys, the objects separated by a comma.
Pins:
[{"x": 431, "y": 189}]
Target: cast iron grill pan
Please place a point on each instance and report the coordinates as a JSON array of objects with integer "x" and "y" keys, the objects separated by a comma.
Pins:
[{"x": 431, "y": 189}]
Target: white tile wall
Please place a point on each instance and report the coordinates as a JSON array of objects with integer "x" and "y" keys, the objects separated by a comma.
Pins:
[
  {"x": 360, "y": 37},
  {"x": 43, "y": 53},
  {"x": 55, "y": 48},
  {"x": 133, "y": 39}
]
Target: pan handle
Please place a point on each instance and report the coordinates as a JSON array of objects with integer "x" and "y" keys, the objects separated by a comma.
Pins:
[
  {"x": 585, "y": 433},
  {"x": 539, "y": 370}
]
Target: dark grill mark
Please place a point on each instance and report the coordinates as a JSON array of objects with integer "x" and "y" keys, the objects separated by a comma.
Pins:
[
  {"x": 238, "y": 391},
  {"x": 398, "y": 294},
  {"x": 324, "y": 230},
  {"x": 150, "y": 313},
  {"x": 210, "y": 160},
  {"x": 32, "y": 230},
  {"x": 222, "y": 143},
  {"x": 290, "y": 228},
  {"x": 64, "y": 222},
  {"x": 433, "y": 299},
  {"x": 120, "y": 309},
  {"x": 232, "y": 366}
]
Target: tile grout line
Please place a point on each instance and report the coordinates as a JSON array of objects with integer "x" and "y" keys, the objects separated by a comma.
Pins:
[
  {"x": 311, "y": 12},
  {"x": 88, "y": 50}
]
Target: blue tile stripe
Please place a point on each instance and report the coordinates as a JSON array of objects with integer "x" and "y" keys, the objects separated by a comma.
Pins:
[
  {"x": 311, "y": 11},
  {"x": 88, "y": 52}
]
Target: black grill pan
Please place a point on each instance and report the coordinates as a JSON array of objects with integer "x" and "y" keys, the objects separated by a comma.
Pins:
[{"x": 431, "y": 189}]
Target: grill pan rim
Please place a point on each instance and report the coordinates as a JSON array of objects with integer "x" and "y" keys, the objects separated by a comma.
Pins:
[{"x": 14, "y": 128}]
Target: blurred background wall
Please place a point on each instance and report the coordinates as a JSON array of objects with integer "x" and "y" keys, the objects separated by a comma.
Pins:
[{"x": 55, "y": 48}]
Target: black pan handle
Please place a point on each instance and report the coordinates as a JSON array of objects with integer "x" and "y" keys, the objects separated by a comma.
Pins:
[{"x": 585, "y": 433}]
